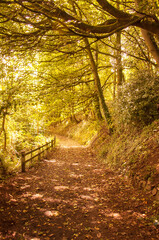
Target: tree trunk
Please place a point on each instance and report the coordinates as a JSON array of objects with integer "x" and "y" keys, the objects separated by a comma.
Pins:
[
  {"x": 151, "y": 44},
  {"x": 119, "y": 64},
  {"x": 97, "y": 108},
  {"x": 96, "y": 99},
  {"x": 98, "y": 86},
  {"x": 148, "y": 37},
  {"x": 4, "y": 131},
  {"x": 114, "y": 86},
  {"x": 119, "y": 74}
]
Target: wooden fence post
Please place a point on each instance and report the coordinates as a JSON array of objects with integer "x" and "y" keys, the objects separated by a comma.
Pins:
[
  {"x": 43, "y": 149},
  {"x": 51, "y": 143},
  {"x": 54, "y": 141},
  {"x": 23, "y": 161},
  {"x": 31, "y": 155},
  {"x": 41, "y": 153},
  {"x": 39, "y": 156}
]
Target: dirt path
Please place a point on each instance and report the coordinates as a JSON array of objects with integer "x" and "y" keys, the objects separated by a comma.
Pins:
[
  {"x": 73, "y": 196},
  {"x": 65, "y": 142}
]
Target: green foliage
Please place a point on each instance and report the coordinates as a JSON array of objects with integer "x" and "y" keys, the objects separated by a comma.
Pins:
[
  {"x": 138, "y": 103},
  {"x": 133, "y": 152},
  {"x": 9, "y": 161},
  {"x": 84, "y": 131},
  {"x": 46, "y": 77},
  {"x": 10, "y": 158},
  {"x": 21, "y": 114}
]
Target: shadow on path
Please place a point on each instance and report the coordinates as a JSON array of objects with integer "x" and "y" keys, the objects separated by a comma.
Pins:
[{"x": 73, "y": 196}]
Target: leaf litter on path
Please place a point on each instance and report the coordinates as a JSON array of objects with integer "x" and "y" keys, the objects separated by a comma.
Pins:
[{"x": 73, "y": 196}]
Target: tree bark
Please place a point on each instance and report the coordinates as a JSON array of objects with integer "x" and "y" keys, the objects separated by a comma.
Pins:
[
  {"x": 148, "y": 37},
  {"x": 119, "y": 65},
  {"x": 55, "y": 14},
  {"x": 119, "y": 61},
  {"x": 98, "y": 86},
  {"x": 3, "y": 130},
  {"x": 97, "y": 108},
  {"x": 151, "y": 44}
]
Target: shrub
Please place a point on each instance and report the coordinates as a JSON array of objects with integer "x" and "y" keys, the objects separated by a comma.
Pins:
[{"x": 138, "y": 102}]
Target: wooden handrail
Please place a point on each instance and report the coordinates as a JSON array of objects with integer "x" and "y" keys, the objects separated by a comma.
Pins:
[{"x": 40, "y": 150}]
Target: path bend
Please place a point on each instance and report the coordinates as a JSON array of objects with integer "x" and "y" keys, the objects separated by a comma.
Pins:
[{"x": 72, "y": 196}]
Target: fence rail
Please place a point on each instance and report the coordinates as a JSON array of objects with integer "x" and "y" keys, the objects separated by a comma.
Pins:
[{"x": 40, "y": 150}]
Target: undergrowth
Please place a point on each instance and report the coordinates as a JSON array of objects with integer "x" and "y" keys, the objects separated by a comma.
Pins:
[
  {"x": 10, "y": 158},
  {"x": 132, "y": 153},
  {"x": 83, "y": 132}
]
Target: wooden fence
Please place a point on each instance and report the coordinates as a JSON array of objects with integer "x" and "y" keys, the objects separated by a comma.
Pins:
[{"x": 39, "y": 152}]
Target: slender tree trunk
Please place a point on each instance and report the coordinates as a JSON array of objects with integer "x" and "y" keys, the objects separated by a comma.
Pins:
[
  {"x": 96, "y": 100},
  {"x": 114, "y": 86},
  {"x": 3, "y": 130},
  {"x": 119, "y": 74},
  {"x": 98, "y": 86},
  {"x": 97, "y": 108},
  {"x": 5, "y": 140}
]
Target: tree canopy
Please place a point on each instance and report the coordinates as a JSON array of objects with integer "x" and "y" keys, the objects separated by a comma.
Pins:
[
  {"x": 76, "y": 60},
  {"x": 97, "y": 19}
]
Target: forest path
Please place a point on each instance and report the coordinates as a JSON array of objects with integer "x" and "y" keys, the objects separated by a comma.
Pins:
[
  {"x": 65, "y": 142},
  {"x": 72, "y": 196}
]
